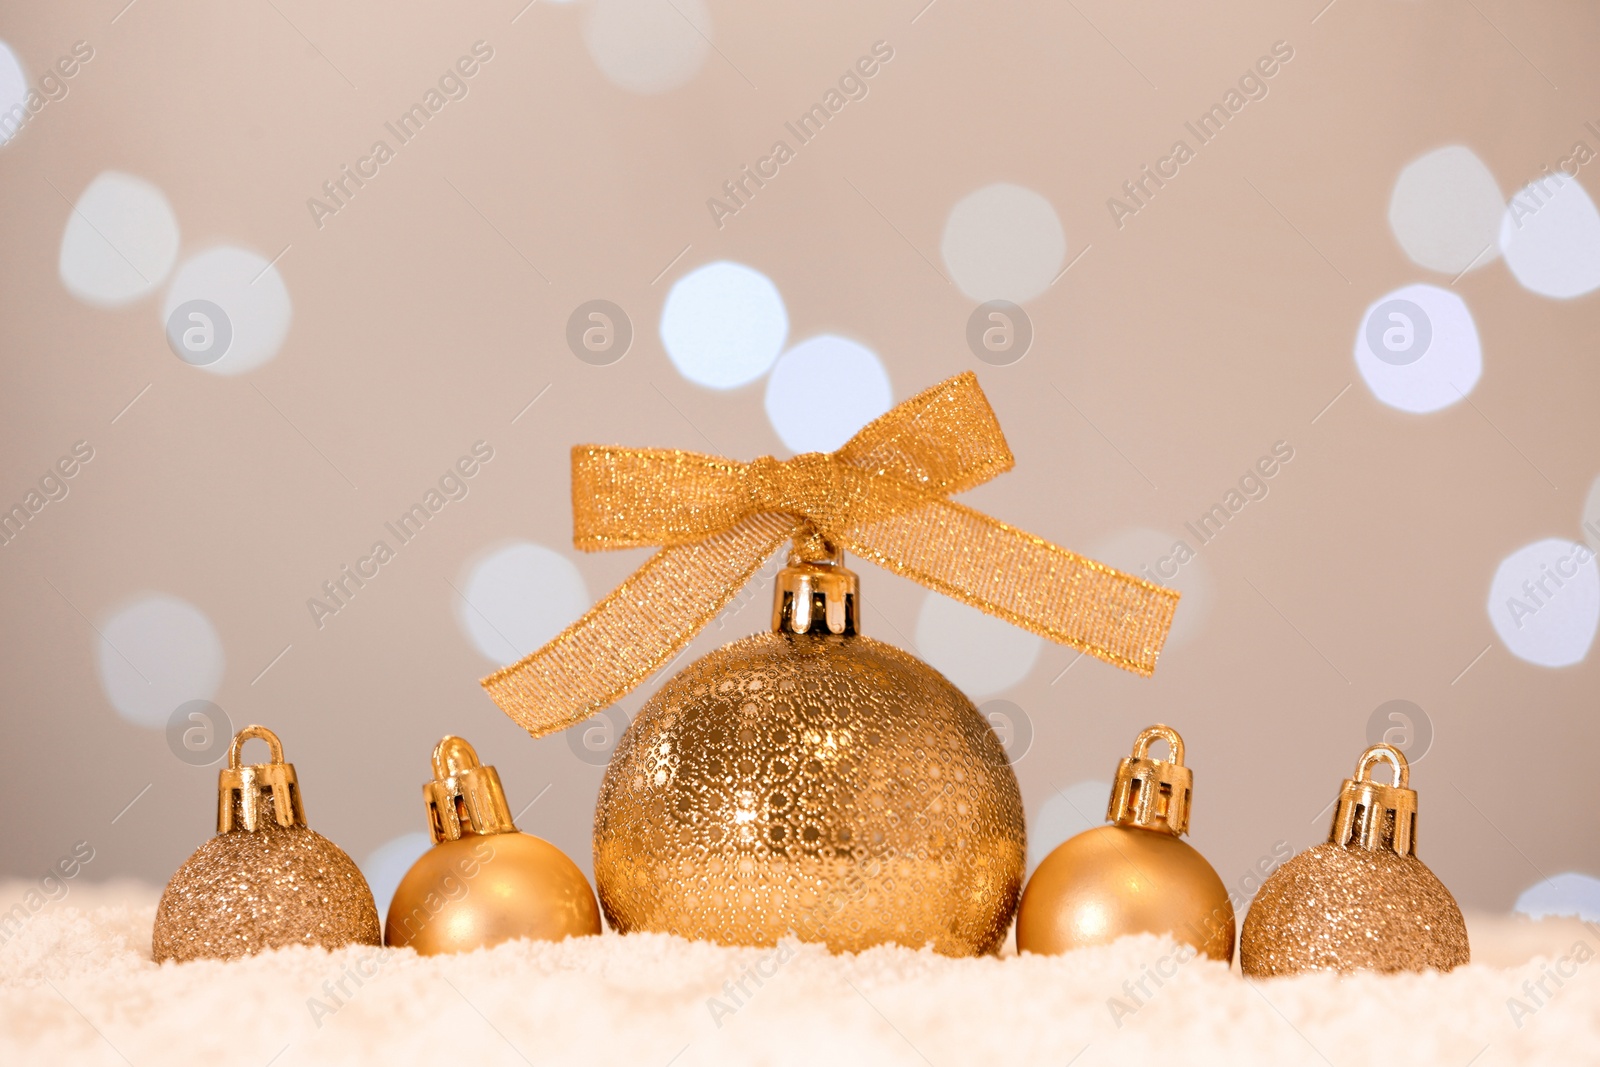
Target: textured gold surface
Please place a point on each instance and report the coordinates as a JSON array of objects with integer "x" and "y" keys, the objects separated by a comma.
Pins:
[
  {"x": 832, "y": 786},
  {"x": 1346, "y": 909},
  {"x": 1112, "y": 881},
  {"x": 244, "y": 891},
  {"x": 881, "y": 496},
  {"x": 478, "y": 891}
]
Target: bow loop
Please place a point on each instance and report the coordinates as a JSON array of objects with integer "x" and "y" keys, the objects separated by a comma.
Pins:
[{"x": 882, "y": 496}]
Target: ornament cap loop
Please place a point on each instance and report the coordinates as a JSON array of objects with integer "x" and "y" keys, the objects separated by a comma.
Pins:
[
  {"x": 1383, "y": 753},
  {"x": 465, "y": 796},
  {"x": 1371, "y": 815},
  {"x": 1153, "y": 794},
  {"x": 816, "y": 595},
  {"x": 251, "y": 796}
]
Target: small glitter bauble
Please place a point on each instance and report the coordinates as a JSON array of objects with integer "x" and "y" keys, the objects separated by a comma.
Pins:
[
  {"x": 1135, "y": 874},
  {"x": 266, "y": 880},
  {"x": 1362, "y": 901},
  {"x": 815, "y": 782},
  {"x": 1345, "y": 909},
  {"x": 483, "y": 881},
  {"x": 249, "y": 890}
]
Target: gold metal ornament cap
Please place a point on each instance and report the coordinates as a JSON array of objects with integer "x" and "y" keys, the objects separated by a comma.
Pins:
[
  {"x": 1151, "y": 793},
  {"x": 1371, "y": 815},
  {"x": 250, "y": 796},
  {"x": 816, "y": 595},
  {"x": 465, "y": 797}
]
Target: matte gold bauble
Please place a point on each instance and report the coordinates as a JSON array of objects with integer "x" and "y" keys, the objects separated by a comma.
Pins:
[
  {"x": 816, "y": 781},
  {"x": 1362, "y": 900},
  {"x": 1135, "y": 874},
  {"x": 483, "y": 881},
  {"x": 266, "y": 880}
]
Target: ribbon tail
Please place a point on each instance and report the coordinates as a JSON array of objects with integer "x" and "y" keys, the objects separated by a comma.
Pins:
[
  {"x": 640, "y": 626},
  {"x": 1023, "y": 579}
]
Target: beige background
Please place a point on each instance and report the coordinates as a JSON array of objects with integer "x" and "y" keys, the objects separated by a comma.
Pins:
[{"x": 1218, "y": 321}]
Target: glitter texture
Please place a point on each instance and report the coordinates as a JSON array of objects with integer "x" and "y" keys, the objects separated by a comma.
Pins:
[
  {"x": 244, "y": 891},
  {"x": 1347, "y": 909},
  {"x": 831, "y": 786}
]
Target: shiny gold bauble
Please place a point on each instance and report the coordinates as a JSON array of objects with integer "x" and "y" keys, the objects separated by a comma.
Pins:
[
  {"x": 483, "y": 881},
  {"x": 245, "y": 891},
  {"x": 480, "y": 891},
  {"x": 266, "y": 880},
  {"x": 1361, "y": 901},
  {"x": 828, "y": 785},
  {"x": 1345, "y": 909},
  {"x": 1112, "y": 881},
  {"x": 1134, "y": 875}
]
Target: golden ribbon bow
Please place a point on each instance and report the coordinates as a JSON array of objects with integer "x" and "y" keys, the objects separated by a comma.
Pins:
[{"x": 882, "y": 496}]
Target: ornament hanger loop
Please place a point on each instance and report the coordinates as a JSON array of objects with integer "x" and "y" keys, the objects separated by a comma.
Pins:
[
  {"x": 1382, "y": 753},
  {"x": 1159, "y": 732},
  {"x": 236, "y": 748},
  {"x": 452, "y": 755}
]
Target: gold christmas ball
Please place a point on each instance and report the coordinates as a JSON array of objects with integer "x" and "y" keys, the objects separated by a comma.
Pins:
[
  {"x": 1350, "y": 909},
  {"x": 1112, "y": 881},
  {"x": 248, "y": 890},
  {"x": 1134, "y": 875},
  {"x": 828, "y": 785},
  {"x": 480, "y": 891},
  {"x": 266, "y": 880},
  {"x": 1362, "y": 900},
  {"x": 483, "y": 881}
]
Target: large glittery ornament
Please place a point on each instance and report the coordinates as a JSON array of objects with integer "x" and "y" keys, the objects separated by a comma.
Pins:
[
  {"x": 815, "y": 781},
  {"x": 483, "y": 881},
  {"x": 266, "y": 880},
  {"x": 1135, "y": 874},
  {"x": 1362, "y": 901}
]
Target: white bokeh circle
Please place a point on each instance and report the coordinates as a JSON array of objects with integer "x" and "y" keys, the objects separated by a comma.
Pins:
[
  {"x": 252, "y": 294},
  {"x": 1550, "y": 236},
  {"x": 518, "y": 597},
  {"x": 13, "y": 94},
  {"x": 1429, "y": 356},
  {"x": 1445, "y": 211},
  {"x": 388, "y": 864},
  {"x": 1003, "y": 242},
  {"x": 120, "y": 241},
  {"x": 1544, "y": 601},
  {"x": 156, "y": 653},
  {"x": 1064, "y": 815},
  {"x": 823, "y": 390},
  {"x": 648, "y": 46},
  {"x": 980, "y": 654},
  {"x": 1165, "y": 560},
  {"x": 723, "y": 324},
  {"x": 1569, "y": 893},
  {"x": 1590, "y": 519}
]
